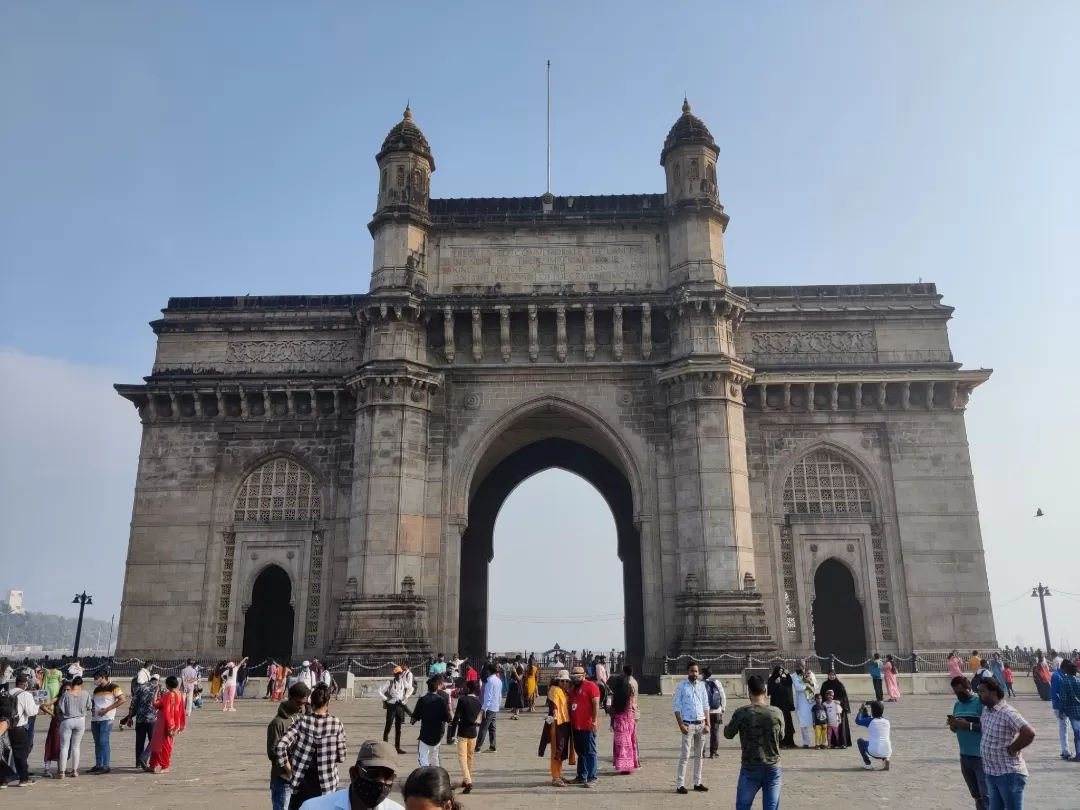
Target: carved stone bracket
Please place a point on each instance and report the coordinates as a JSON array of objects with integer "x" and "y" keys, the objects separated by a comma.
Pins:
[
  {"x": 646, "y": 331},
  {"x": 617, "y": 330},
  {"x": 590, "y": 332},
  {"x": 560, "y": 333},
  {"x": 477, "y": 335},
  {"x": 534, "y": 339},
  {"x": 448, "y": 334},
  {"x": 504, "y": 333}
]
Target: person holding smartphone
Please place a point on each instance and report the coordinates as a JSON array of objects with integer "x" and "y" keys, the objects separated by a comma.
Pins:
[{"x": 965, "y": 723}]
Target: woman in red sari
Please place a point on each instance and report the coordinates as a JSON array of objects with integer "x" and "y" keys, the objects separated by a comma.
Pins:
[{"x": 171, "y": 719}]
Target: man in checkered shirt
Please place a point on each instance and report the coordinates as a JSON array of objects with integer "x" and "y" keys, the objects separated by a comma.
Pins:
[
  {"x": 310, "y": 751},
  {"x": 1004, "y": 735}
]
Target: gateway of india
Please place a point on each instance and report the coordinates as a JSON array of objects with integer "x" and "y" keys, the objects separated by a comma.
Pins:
[{"x": 787, "y": 467}]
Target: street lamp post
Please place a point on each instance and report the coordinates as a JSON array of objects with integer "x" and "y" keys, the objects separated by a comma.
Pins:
[
  {"x": 1042, "y": 592},
  {"x": 82, "y": 600}
]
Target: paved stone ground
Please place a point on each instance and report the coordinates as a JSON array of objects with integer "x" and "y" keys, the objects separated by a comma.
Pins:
[{"x": 220, "y": 762}]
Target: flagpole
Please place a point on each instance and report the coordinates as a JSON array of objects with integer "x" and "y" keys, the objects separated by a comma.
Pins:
[{"x": 549, "y": 126}]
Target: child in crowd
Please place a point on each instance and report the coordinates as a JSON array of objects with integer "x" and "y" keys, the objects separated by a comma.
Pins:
[
  {"x": 1008, "y": 673},
  {"x": 877, "y": 743},
  {"x": 821, "y": 723},
  {"x": 835, "y": 712}
]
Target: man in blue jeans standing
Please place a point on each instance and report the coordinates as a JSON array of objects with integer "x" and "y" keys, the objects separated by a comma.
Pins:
[
  {"x": 107, "y": 699},
  {"x": 760, "y": 727},
  {"x": 1004, "y": 735},
  {"x": 584, "y": 711}
]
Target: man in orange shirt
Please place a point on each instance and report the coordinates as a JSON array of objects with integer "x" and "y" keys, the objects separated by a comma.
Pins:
[{"x": 975, "y": 661}]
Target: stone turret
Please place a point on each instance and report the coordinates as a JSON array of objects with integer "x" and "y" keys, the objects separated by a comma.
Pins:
[
  {"x": 401, "y": 222},
  {"x": 697, "y": 220}
]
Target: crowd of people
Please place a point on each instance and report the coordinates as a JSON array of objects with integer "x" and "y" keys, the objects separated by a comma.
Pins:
[{"x": 457, "y": 706}]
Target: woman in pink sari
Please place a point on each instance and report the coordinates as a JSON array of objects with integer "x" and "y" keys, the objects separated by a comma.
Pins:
[
  {"x": 171, "y": 719},
  {"x": 624, "y": 725},
  {"x": 888, "y": 670}
]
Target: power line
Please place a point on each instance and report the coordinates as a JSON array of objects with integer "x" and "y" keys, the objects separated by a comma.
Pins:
[{"x": 1006, "y": 604}]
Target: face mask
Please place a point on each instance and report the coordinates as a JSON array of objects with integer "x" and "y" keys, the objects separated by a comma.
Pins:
[{"x": 371, "y": 792}]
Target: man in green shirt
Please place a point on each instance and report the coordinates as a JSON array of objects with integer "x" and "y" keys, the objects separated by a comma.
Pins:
[
  {"x": 964, "y": 723},
  {"x": 760, "y": 728}
]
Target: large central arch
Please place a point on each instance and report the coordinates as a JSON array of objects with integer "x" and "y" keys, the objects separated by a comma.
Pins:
[{"x": 488, "y": 496}]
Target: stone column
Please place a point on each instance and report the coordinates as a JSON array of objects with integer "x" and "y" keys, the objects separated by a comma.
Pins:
[
  {"x": 388, "y": 514},
  {"x": 715, "y": 542}
]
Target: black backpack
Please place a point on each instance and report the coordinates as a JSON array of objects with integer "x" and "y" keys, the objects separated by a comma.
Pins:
[{"x": 714, "y": 695}]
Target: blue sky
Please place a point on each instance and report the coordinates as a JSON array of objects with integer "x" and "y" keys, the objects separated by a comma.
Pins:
[{"x": 158, "y": 149}]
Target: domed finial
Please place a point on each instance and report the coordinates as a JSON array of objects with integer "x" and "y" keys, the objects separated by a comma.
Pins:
[
  {"x": 685, "y": 106},
  {"x": 408, "y": 112}
]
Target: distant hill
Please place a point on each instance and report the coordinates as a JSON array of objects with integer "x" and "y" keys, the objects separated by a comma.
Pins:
[{"x": 52, "y": 632}]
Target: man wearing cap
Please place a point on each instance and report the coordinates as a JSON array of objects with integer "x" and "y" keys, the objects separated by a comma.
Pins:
[
  {"x": 370, "y": 781},
  {"x": 393, "y": 694},
  {"x": 142, "y": 713},
  {"x": 305, "y": 675},
  {"x": 584, "y": 710}
]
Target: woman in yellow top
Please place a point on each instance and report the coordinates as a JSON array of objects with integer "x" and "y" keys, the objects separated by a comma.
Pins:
[
  {"x": 532, "y": 672},
  {"x": 556, "y": 731}
]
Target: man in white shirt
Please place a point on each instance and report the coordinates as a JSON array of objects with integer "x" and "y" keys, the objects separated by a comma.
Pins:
[
  {"x": 691, "y": 708},
  {"x": 189, "y": 679},
  {"x": 19, "y": 733},
  {"x": 394, "y": 695},
  {"x": 305, "y": 675},
  {"x": 717, "y": 701},
  {"x": 370, "y": 781},
  {"x": 143, "y": 675},
  {"x": 107, "y": 699},
  {"x": 407, "y": 676},
  {"x": 75, "y": 669},
  {"x": 490, "y": 702}
]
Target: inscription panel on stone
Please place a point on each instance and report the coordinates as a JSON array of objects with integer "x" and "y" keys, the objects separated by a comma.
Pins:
[{"x": 617, "y": 265}]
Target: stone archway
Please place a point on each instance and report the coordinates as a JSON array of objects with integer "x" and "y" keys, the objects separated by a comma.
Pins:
[
  {"x": 477, "y": 546},
  {"x": 268, "y": 625},
  {"x": 837, "y": 614}
]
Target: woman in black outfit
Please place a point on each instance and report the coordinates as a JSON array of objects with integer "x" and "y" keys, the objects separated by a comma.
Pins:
[
  {"x": 833, "y": 684},
  {"x": 780, "y": 696}
]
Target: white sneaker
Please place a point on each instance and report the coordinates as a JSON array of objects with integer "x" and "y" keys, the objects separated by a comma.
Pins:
[{"x": 868, "y": 766}]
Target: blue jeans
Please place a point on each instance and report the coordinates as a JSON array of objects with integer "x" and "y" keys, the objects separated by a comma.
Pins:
[
  {"x": 143, "y": 734},
  {"x": 100, "y": 730},
  {"x": 279, "y": 793},
  {"x": 1006, "y": 792},
  {"x": 752, "y": 778},
  {"x": 30, "y": 730},
  {"x": 585, "y": 746}
]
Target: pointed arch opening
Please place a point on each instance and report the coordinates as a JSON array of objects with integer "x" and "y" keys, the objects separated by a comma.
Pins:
[
  {"x": 529, "y": 448},
  {"x": 268, "y": 625},
  {"x": 837, "y": 614}
]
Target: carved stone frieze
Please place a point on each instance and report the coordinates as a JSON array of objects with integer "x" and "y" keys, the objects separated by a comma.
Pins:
[
  {"x": 813, "y": 342},
  {"x": 289, "y": 351}
]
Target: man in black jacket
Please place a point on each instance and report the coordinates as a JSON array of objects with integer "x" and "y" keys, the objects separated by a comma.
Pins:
[
  {"x": 433, "y": 713},
  {"x": 288, "y": 711}
]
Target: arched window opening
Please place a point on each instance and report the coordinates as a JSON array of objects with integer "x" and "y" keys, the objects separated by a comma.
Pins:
[
  {"x": 825, "y": 483},
  {"x": 278, "y": 490}
]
